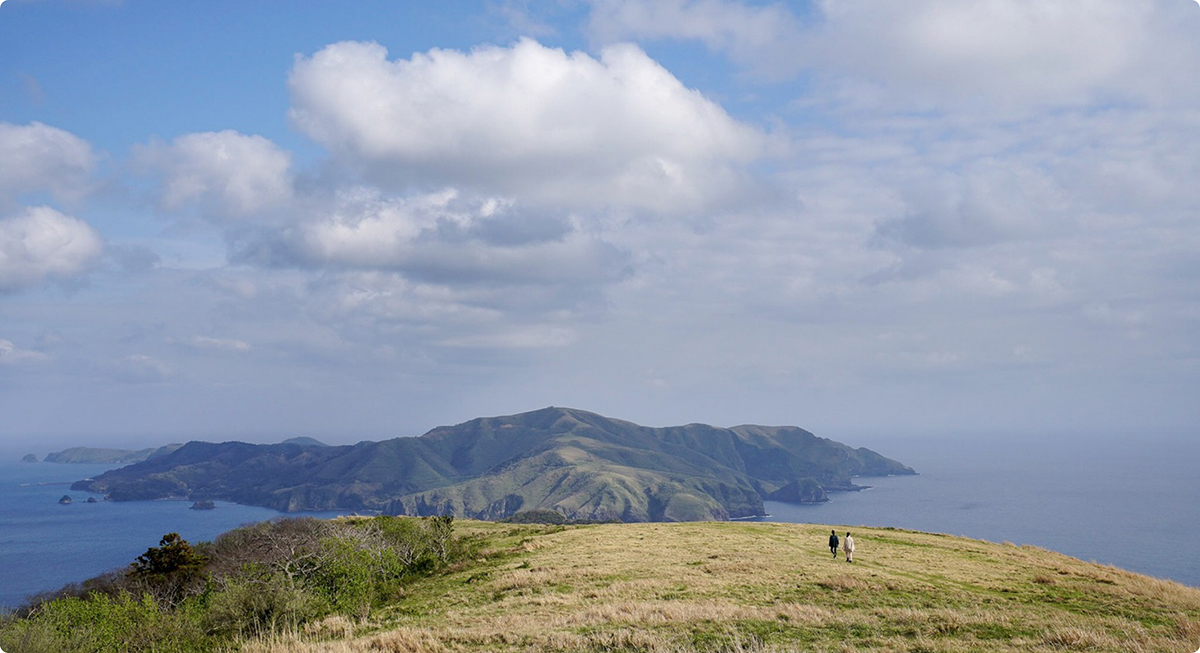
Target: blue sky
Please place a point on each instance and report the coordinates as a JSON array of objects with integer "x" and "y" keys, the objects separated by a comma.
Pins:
[{"x": 360, "y": 220}]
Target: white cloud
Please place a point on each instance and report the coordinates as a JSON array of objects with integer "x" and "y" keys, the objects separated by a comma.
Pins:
[
  {"x": 441, "y": 237},
  {"x": 1131, "y": 161},
  {"x": 225, "y": 173},
  {"x": 523, "y": 21},
  {"x": 367, "y": 229},
  {"x": 980, "y": 54},
  {"x": 516, "y": 337},
  {"x": 525, "y": 120},
  {"x": 985, "y": 202},
  {"x": 384, "y": 298},
  {"x": 979, "y": 220},
  {"x": 10, "y": 354},
  {"x": 1011, "y": 52},
  {"x": 436, "y": 321},
  {"x": 766, "y": 38},
  {"x": 40, "y": 158},
  {"x": 41, "y": 243}
]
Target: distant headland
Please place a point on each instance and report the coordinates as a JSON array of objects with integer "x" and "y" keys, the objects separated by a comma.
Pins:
[
  {"x": 109, "y": 456},
  {"x": 103, "y": 456}
]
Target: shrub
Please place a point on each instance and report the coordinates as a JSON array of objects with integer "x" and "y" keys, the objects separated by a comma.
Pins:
[
  {"x": 360, "y": 565},
  {"x": 288, "y": 546},
  {"x": 537, "y": 516},
  {"x": 102, "y": 623},
  {"x": 406, "y": 537},
  {"x": 345, "y": 576},
  {"x": 441, "y": 535},
  {"x": 253, "y": 582},
  {"x": 248, "y": 608}
]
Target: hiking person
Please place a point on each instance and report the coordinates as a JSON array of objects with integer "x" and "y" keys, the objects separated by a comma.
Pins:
[
  {"x": 848, "y": 547},
  {"x": 833, "y": 542}
]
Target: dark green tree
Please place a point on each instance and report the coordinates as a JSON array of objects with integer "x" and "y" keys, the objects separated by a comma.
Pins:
[{"x": 169, "y": 570}]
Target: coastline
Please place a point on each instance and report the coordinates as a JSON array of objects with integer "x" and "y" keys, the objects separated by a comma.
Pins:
[
  {"x": 1061, "y": 500},
  {"x": 45, "y": 545}
]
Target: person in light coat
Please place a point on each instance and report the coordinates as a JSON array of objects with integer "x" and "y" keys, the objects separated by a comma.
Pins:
[{"x": 848, "y": 547}]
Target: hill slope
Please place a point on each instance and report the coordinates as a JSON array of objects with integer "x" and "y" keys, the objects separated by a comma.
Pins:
[
  {"x": 756, "y": 587},
  {"x": 582, "y": 465}
]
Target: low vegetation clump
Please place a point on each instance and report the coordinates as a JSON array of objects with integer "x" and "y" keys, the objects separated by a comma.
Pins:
[
  {"x": 286, "y": 576},
  {"x": 355, "y": 586}
]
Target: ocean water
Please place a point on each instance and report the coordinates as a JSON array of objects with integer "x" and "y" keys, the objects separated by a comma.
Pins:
[
  {"x": 1132, "y": 502},
  {"x": 44, "y": 545},
  {"x": 1129, "y": 502}
]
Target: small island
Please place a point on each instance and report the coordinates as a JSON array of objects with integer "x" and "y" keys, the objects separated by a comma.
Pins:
[
  {"x": 30, "y": 458},
  {"x": 65, "y": 500},
  {"x": 203, "y": 505}
]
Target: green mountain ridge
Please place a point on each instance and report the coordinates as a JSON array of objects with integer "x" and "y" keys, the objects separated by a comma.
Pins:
[{"x": 579, "y": 464}]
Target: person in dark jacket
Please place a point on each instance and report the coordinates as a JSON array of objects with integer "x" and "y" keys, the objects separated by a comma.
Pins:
[{"x": 833, "y": 542}]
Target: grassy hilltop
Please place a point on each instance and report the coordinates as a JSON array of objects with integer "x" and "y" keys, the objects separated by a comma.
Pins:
[
  {"x": 774, "y": 587},
  {"x": 742, "y": 587}
]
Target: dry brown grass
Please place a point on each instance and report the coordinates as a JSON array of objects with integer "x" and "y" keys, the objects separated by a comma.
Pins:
[
  {"x": 400, "y": 640},
  {"x": 334, "y": 626},
  {"x": 843, "y": 583},
  {"x": 1081, "y": 639},
  {"x": 1188, "y": 627},
  {"x": 761, "y": 588}
]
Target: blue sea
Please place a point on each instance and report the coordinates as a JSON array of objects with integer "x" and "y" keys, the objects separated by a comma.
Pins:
[
  {"x": 1131, "y": 502},
  {"x": 45, "y": 545}
]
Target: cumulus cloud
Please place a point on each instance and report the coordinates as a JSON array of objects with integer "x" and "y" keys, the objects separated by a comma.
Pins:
[
  {"x": 41, "y": 243},
  {"x": 40, "y": 158},
  {"x": 541, "y": 123},
  {"x": 226, "y": 174},
  {"x": 441, "y": 237}
]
